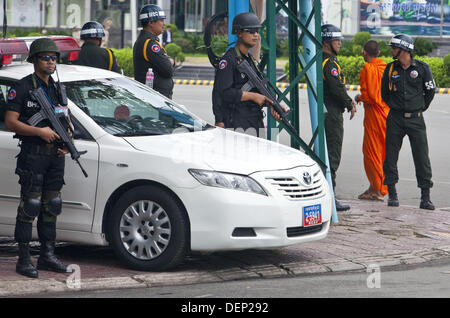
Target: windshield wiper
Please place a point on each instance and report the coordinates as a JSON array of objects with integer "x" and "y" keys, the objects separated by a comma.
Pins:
[
  {"x": 139, "y": 133},
  {"x": 193, "y": 128},
  {"x": 208, "y": 126}
]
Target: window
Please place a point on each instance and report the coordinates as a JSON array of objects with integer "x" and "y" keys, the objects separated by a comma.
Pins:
[
  {"x": 193, "y": 16},
  {"x": 123, "y": 108}
]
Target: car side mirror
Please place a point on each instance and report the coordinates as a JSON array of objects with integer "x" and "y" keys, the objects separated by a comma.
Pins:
[{"x": 77, "y": 133}]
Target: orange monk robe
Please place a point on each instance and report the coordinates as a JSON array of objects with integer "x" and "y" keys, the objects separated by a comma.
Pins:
[{"x": 375, "y": 114}]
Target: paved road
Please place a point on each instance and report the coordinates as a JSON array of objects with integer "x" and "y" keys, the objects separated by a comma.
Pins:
[
  {"x": 405, "y": 281},
  {"x": 351, "y": 179}
]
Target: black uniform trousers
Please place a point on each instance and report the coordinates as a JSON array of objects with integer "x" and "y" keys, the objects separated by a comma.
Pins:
[
  {"x": 334, "y": 131},
  {"x": 41, "y": 176},
  {"x": 397, "y": 126}
]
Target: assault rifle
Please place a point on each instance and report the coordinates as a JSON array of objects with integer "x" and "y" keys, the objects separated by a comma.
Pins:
[
  {"x": 261, "y": 85},
  {"x": 48, "y": 112},
  {"x": 255, "y": 81}
]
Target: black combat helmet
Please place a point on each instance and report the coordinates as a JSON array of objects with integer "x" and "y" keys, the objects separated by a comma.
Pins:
[
  {"x": 330, "y": 33},
  {"x": 245, "y": 20},
  {"x": 151, "y": 12},
  {"x": 92, "y": 30},
  {"x": 403, "y": 41},
  {"x": 42, "y": 45}
]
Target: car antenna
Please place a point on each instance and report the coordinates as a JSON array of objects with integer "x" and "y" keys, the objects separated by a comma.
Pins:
[
  {"x": 5, "y": 22},
  {"x": 61, "y": 90}
]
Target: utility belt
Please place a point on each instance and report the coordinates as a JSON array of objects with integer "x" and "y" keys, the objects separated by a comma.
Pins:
[
  {"x": 409, "y": 114},
  {"x": 40, "y": 149}
]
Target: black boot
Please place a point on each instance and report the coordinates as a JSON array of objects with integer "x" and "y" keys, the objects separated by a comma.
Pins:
[
  {"x": 425, "y": 202},
  {"x": 393, "y": 197},
  {"x": 24, "y": 265},
  {"x": 341, "y": 207},
  {"x": 47, "y": 259}
]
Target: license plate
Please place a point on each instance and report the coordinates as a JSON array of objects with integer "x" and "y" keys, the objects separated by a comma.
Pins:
[{"x": 312, "y": 215}]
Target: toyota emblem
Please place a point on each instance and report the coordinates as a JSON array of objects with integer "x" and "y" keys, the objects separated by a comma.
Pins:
[{"x": 307, "y": 178}]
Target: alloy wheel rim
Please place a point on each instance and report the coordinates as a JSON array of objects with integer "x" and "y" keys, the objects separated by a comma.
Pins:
[{"x": 145, "y": 230}]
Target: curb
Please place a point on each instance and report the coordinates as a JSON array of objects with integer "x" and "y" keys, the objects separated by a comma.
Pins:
[
  {"x": 283, "y": 85},
  {"x": 30, "y": 287}
]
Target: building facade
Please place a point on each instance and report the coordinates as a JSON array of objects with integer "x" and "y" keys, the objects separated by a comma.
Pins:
[{"x": 429, "y": 18}]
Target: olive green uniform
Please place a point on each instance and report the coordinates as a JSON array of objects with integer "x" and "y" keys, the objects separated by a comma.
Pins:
[
  {"x": 336, "y": 101},
  {"x": 408, "y": 93},
  {"x": 149, "y": 53}
]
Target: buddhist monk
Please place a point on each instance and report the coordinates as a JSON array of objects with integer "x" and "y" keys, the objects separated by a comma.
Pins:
[{"x": 375, "y": 114}]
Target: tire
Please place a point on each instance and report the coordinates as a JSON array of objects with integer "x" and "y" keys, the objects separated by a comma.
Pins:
[{"x": 148, "y": 229}]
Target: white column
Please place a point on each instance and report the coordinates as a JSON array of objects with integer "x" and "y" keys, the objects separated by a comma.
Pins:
[
  {"x": 87, "y": 12},
  {"x": 133, "y": 14},
  {"x": 165, "y": 5}
]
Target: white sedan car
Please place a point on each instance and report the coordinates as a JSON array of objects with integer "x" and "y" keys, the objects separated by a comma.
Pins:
[{"x": 162, "y": 182}]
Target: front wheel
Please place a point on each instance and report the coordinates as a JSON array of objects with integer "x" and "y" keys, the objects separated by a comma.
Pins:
[{"x": 148, "y": 229}]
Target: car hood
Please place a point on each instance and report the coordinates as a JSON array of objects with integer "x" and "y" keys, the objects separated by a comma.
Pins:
[{"x": 222, "y": 150}]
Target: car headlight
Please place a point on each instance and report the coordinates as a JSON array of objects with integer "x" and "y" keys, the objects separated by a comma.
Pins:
[{"x": 227, "y": 181}]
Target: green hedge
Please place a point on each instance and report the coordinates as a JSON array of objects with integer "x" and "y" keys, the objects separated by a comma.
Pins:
[
  {"x": 446, "y": 71},
  {"x": 352, "y": 65},
  {"x": 353, "y": 47},
  {"x": 125, "y": 56},
  {"x": 175, "y": 52},
  {"x": 125, "y": 59},
  {"x": 35, "y": 32}
]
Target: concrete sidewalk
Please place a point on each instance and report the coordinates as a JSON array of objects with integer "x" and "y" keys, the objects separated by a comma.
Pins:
[{"x": 370, "y": 233}]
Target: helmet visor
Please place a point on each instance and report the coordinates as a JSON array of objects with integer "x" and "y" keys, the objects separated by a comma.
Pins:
[
  {"x": 92, "y": 33},
  {"x": 251, "y": 30},
  {"x": 152, "y": 15},
  {"x": 332, "y": 36},
  {"x": 401, "y": 44}
]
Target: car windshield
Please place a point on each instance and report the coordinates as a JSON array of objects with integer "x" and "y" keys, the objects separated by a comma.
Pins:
[{"x": 123, "y": 107}]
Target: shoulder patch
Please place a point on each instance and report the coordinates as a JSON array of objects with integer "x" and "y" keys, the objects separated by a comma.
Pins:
[
  {"x": 156, "y": 48},
  {"x": 334, "y": 72},
  {"x": 414, "y": 74},
  {"x": 12, "y": 94},
  {"x": 430, "y": 85},
  {"x": 223, "y": 64}
]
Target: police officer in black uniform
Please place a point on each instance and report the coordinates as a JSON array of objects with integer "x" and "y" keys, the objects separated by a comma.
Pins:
[
  {"x": 149, "y": 53},
  {"x": 236, "y": 107},
  {"x": 407, "y": 87},
  {"x": 336, "y": 100},
  {"x": 40, "y": 163},
  {"x": 91, "y": 53}
]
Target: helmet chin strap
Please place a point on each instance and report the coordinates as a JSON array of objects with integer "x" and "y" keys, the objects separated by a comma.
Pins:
[
  {"x": 332, "y": 48},
  {"x": 397, "y": 55},
  {"x": 48, "y": 73}
]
